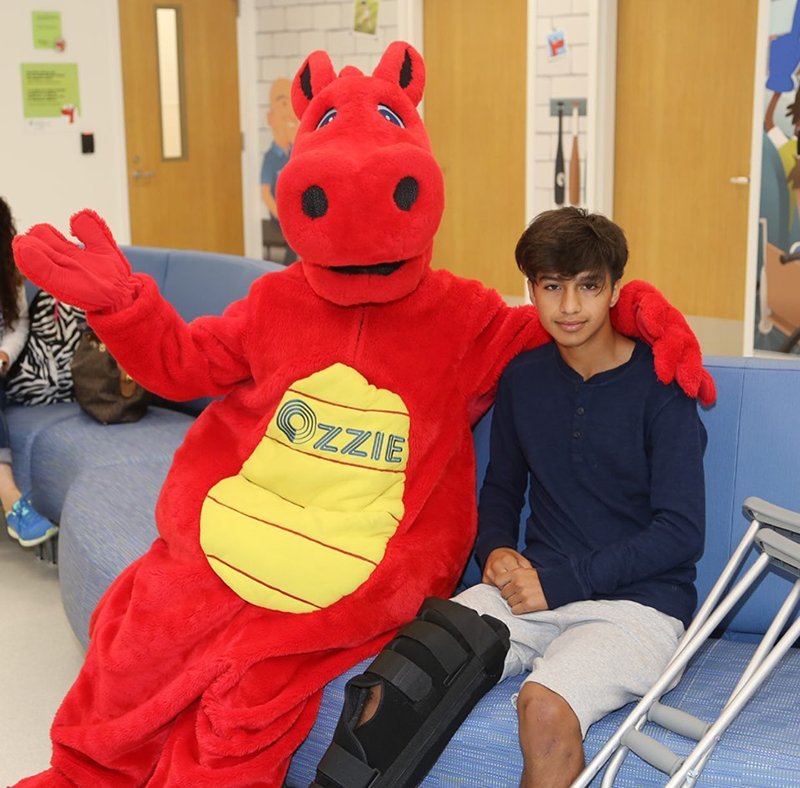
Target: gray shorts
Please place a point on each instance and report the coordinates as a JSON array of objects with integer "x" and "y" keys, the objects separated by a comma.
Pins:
[{"x": 597, "y": 655}]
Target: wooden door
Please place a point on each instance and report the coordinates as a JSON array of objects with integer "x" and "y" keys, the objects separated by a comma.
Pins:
[
  {"x": 475, "y": 57},
  {"x": 192, "y": 200},
  {"x": 685, "y": 79}
]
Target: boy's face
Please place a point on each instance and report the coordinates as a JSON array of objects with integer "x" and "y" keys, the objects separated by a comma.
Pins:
[{"x": 573, "y": 311}]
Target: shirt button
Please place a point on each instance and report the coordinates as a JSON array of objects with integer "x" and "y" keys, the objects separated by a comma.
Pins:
[
  {"x": 581, "y": 411},
  {"x": 576, "y": 434}
]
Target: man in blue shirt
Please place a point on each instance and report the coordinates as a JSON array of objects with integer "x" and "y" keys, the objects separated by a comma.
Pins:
[{"x": 596, "y": 601}]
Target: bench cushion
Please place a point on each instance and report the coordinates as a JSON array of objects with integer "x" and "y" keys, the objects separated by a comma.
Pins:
[
  {"x": 108, "y": 521},
  {"x": 78, "y": 444},
  {"x": 758, "y": 751}
]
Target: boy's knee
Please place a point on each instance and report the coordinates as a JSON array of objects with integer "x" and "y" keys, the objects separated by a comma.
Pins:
[{"x": 544, "y": 714}]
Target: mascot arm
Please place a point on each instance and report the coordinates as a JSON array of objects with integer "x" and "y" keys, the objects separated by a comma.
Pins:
[
  {"x": 498, "y": 334},
  {"x": 172, "y": 358},
  {"x": 644, "y": 313},
  {"x": 143, "y": 332}
]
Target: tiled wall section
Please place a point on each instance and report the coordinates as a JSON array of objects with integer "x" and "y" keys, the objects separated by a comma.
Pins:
[
  {"x": 288, "y": 30},
  {"x": 568, "y": 77}
]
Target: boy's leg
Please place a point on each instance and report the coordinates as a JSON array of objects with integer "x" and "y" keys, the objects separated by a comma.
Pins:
[
  {"x": 549, "y": 737},
  {"x": 610, "y": 653},
  {"x": 530, "y": 635},
  {"x": 400, "y": 713}
]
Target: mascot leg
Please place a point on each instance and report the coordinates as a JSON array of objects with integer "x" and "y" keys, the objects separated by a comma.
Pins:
[{"x": 428, "y": 679}]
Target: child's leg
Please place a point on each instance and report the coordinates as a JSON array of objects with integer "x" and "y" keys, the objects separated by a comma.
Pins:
[
  {"x": 9, "y": 493},
  {"x": 610, "y": 653},
  {"x": 530, "y": 635},
  {"x": 549, "y": 737}
]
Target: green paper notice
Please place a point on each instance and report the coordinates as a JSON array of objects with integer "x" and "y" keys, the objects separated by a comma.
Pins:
[
  {"x": 46, "y": 29},
  {"x": 50, "y": 90}
]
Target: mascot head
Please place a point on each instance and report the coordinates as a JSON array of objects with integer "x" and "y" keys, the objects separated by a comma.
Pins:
[{"x": 361, "y": 196}]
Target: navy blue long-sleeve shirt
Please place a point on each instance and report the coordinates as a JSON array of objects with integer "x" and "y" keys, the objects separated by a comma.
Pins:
[{"x": 616, "y": 481}]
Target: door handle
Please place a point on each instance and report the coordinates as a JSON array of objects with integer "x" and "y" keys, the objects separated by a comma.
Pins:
[
  {"x": 740, "y": 180},
  {"x": 143, "y": 174}
]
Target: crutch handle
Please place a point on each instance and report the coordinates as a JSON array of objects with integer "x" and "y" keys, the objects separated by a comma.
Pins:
[{"x": 770, "y": 514}]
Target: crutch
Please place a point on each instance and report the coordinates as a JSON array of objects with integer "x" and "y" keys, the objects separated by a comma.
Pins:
[{"x": 776, "y": 534}]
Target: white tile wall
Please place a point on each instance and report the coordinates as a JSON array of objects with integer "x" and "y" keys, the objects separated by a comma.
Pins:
[{"x": 567, "y": 77}]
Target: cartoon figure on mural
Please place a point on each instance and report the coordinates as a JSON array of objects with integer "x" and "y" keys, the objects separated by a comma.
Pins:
[
  {"x": 778, "y": 283},
  {"x": 283, "y": 123}
]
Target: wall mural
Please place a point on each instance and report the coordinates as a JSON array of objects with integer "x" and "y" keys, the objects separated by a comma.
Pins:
[
  {"x": 778, "y": 271},
  {"x": 283, "y": 124}
]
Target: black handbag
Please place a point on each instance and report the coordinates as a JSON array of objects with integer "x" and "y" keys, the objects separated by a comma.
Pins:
[{"x": 102, "y": 388}]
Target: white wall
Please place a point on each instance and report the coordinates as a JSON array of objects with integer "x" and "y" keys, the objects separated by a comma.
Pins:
[{"x": 43, "y": 174}]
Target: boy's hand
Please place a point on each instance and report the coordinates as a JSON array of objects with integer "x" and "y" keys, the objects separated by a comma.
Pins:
[
  {"x": 522, "y": 591},
  {"x": 501, "y": 561}
]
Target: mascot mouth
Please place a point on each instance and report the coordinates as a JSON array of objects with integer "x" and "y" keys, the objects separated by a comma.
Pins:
[{"x": 379, "y": 269}]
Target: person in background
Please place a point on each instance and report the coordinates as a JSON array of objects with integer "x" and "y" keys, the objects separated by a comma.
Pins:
[{"x": 24, "y": 523}]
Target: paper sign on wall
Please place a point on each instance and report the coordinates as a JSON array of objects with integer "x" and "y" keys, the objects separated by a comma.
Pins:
[
  {"x": 366, "y": 19},
  {"x": 50, "y": 90},
  {"x": 46, "y": 29},
  {"x": 556, "y": 44}
]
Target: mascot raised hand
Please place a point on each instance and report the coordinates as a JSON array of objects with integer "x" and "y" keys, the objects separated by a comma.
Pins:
[{"x": 306, "y": 516}]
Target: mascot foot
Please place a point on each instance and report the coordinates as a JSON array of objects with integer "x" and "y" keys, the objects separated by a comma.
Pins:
[{"x": 401, "y": 712}]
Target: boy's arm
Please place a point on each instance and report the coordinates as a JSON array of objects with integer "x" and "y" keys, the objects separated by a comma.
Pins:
[
  {"x": 676, "y": 534},
  {"x": 503, "y": 492}
]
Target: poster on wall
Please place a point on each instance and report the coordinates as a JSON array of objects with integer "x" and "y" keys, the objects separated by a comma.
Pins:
[
  {"x": 366, "y": 17},
  {"x": 282, "y": 123},
  {"x": 47, "y": 30},
  {"x": 50, "y": 95},
  {"x": 777, "y": 309}
]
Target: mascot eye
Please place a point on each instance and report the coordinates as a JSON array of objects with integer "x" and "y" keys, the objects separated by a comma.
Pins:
[
  {"x": 327, "y": 118},
  {"x": 390, "y": 115}
]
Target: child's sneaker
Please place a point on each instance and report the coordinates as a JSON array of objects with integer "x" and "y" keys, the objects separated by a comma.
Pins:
[{"x": 27, "y": 526}]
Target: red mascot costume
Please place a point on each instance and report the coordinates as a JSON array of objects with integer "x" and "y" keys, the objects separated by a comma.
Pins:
[{"x": 305, "y": 517}]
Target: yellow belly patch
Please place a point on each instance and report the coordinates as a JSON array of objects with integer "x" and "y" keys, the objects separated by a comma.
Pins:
[{"x": 307, "y": 518}]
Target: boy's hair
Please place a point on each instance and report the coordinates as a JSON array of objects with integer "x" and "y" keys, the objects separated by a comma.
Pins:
[{"x": 569, "y": 241}]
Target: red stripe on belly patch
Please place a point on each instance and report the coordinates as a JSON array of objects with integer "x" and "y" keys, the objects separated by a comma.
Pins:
[
  {"x": 290, "y": 531},
  {"x": 266, "y": 585}
]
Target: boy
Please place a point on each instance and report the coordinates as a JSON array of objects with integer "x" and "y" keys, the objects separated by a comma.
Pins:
[{"x": 598, "y": 598}]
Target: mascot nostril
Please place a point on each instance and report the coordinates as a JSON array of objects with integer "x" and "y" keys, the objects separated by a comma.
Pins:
[
  {"x": 315, "y": 203},
  {"x": 406, "y": 193}
]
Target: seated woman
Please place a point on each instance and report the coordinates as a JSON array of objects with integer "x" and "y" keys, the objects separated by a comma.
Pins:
[{"x": 24, "y": 523}]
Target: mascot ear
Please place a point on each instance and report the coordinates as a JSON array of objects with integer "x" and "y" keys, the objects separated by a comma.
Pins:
[
  {"x": 402, "y": 65},
  {"x": 314, "y": 75}
]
